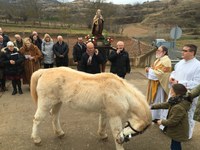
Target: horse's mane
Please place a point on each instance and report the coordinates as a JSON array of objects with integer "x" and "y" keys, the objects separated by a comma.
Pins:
[{"x": 137, "y": 101}]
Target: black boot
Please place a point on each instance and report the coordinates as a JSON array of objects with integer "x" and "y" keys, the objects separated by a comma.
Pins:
[
  {"x": 14, "y": 87},
  {"x": 20, "y": 91},
  {"x": 3, "y": 85},
  {"x": 19, "y": 87},
  {"x": 14, "y": 92}
]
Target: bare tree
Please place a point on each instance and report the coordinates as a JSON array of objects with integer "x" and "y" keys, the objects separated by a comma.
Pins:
[
  {"x": 63, "y": 13},
  {"x": 31, "y": 10},
  {"x": 174, "y": 2}
]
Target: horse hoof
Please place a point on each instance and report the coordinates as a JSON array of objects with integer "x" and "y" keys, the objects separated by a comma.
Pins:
[
  {"x": 104, "y": 137},
  {"x": 38, "y": 142},
  {"x": 61, "y": 135}
]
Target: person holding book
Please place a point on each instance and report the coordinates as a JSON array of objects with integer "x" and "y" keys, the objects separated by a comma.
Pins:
[{"x": 13, "y": 59}]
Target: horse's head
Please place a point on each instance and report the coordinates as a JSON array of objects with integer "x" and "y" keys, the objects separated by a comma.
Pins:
[{"x": 128, "y": 132}]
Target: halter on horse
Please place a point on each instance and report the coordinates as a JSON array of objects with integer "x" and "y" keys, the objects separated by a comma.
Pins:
[{"x": 125, "y": 136}]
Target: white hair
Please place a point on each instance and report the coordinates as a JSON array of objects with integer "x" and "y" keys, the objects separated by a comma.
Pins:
[{"x": 10, "y": 44}]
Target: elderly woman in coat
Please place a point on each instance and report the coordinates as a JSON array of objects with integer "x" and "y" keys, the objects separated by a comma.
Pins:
[
  {"x": 47, "y": 51},
  {"x": 13, "y": 60},
  {"x": 32, "y": 61}
]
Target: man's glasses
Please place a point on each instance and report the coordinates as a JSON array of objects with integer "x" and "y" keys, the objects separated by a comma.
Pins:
[{"x": 185, "y": 50}]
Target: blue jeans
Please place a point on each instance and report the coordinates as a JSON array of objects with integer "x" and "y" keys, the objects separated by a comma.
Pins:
[{"x": 175, "y": 145}]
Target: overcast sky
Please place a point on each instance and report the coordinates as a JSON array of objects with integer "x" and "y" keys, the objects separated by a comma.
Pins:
[{"x": 118, "y": 1}]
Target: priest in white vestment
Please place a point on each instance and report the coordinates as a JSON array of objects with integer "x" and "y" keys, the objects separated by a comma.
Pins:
[
  {"x": 158, "y": 84},
  {"x": 187, "y": 72}
]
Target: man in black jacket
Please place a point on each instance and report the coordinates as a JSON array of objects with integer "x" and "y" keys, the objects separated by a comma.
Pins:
[
  {"x": 3, "y": 44},
  {"x": 78, "y": 50},
  {"x": 6, "y": 38},
  {"x": 61, "y": 51},
  {"x": 120, "y": 62},
  {"x": 91, "y": 60},
  {"x": 36, "y": 39}
]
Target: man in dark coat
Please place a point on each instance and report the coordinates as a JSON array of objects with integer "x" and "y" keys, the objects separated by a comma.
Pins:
[
  {"x": 18, "y": 41},
  {"x": 120, "y": 62},
  {"x": 6, "y": 39},
  {"x": 2, "y": 71},
  {"x": 78, "y": 50},
  {"x": 61, "y": 51},
  {"x": 36, "y": 40},
  {"x": 91, "y": 60}
]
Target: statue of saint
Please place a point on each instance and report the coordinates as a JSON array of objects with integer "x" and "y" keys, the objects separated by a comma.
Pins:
[{"x": 98, "y": 22}]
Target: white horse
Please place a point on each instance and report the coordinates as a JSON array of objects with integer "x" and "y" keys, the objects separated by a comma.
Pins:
[{"x": 104, "y": 93}]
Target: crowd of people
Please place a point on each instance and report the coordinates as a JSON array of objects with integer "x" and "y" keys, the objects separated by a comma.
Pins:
[
  {"x": 176, "y": 91},
  {"x": 21, "y": 57}
]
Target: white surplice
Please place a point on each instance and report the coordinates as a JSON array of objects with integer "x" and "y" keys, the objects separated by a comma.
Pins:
[
  {"x": 188, "y": 74},
  {"x": 160, "y": 96}
]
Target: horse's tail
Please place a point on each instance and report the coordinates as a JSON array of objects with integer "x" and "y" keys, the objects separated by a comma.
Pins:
[{"x": 34, "y": 81}]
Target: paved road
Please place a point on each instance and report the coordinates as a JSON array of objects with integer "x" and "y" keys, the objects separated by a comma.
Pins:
[{"x": 16, "y": 113}]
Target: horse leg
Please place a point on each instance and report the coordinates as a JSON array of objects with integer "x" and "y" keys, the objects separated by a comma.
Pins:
[
  {"x": 55, "y": 111},
  {"x": 116, "y": 127},
  {"x": 102, "y": 126},
  {"x": 39, "y": 116}
]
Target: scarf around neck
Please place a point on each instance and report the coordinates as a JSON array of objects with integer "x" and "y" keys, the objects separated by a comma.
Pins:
[{"x": 175, "y": 100}]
